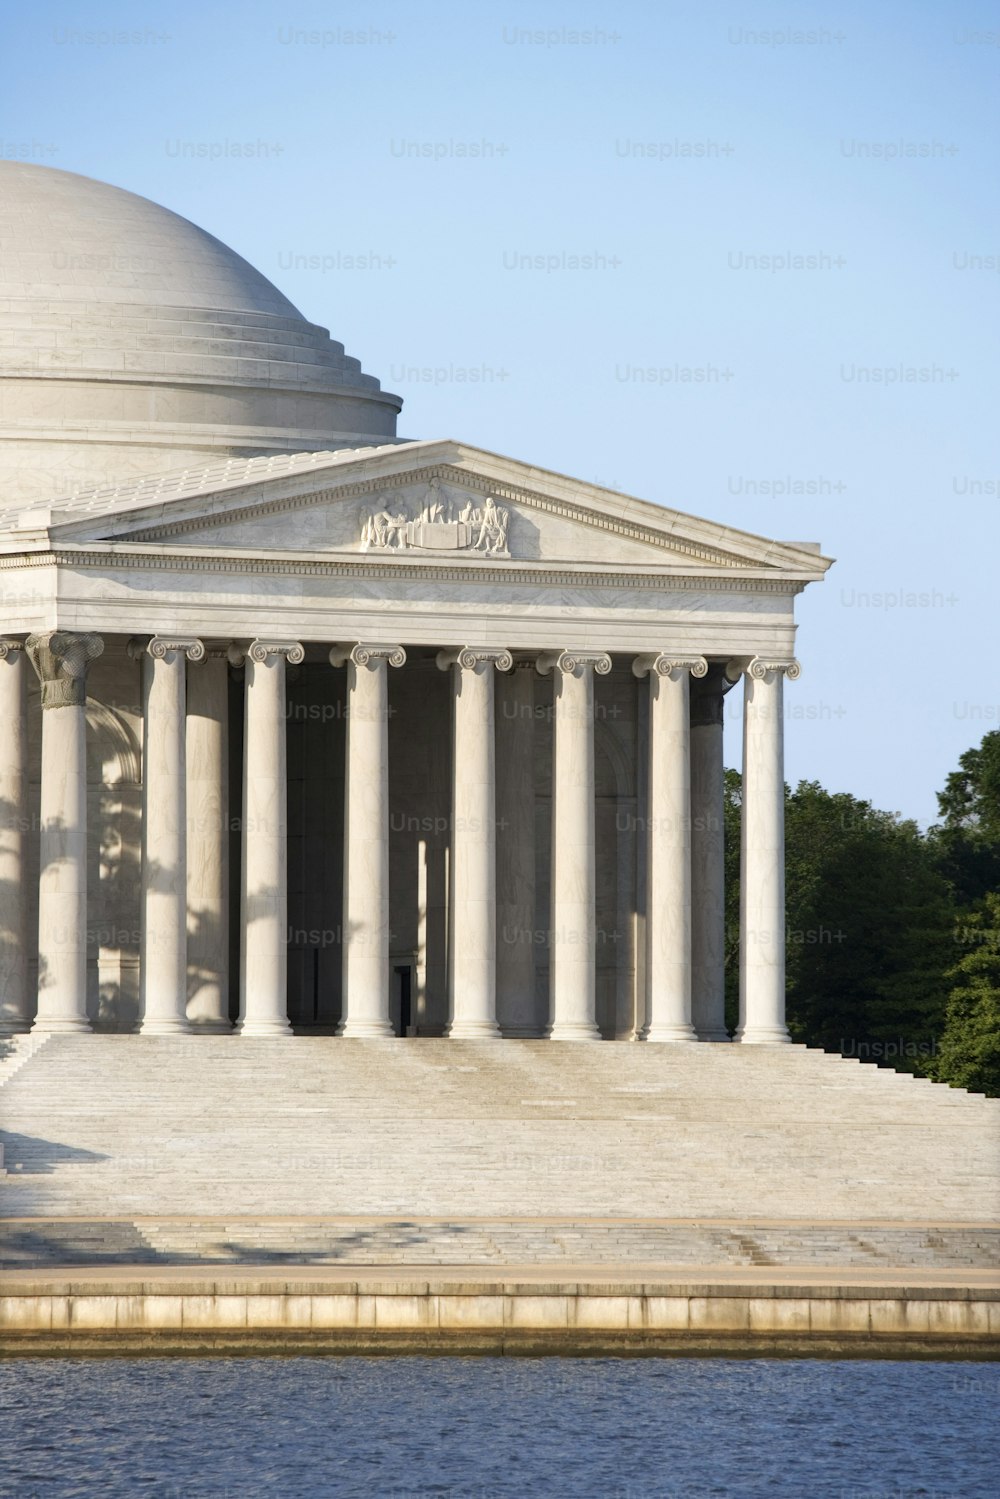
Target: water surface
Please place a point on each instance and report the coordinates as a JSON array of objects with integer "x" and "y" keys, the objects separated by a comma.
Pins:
[{"x": 465, "y": 1428}]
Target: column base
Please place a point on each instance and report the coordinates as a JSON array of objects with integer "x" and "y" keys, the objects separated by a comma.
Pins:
[
  {"x": 522, "y": 1033},
  {"x": 573, "y": 1031},
  {"x": 719, "y": 1035},
  {"x": 682, "y": 1033},
  {"x": 210, "y": 1027},
  {"x": 473, "y": 1030},
  {"x": 264, "y": 1028},
  {"x": 770, "y": 1035},
  {"x": 163, "y": 1028},
  {"x": 365, "y": 1030},
  {"x": 14, "y": 1027},
  {"x": 56, "y": 1027}
]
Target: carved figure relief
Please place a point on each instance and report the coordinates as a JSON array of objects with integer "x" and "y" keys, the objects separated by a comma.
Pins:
[{"x": 437, "y": 523}]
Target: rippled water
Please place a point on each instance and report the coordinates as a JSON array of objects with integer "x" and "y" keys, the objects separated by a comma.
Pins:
[{"x": 197, "y": 1428}]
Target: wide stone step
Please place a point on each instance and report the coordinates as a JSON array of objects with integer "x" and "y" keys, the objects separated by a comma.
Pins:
[{"x": 241, "y": 1241}]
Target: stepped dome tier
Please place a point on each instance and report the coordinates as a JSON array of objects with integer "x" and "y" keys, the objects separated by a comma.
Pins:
[{"x": 133, "y": 342}]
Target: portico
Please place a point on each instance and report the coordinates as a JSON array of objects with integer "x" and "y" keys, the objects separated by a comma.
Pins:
[{"x": 416, "y": 739}]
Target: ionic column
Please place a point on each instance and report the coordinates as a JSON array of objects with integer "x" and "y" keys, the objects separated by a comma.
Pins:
[
  {"x": 61, "y": 660},
  {"x": 15, "y": 1012},
  {"x": 473, "y": 842},
  {"x": 163, "y": 934},
  {"x": 573, "y": 981},
  {"x": 366, "y": 838},
  {"x": 208, "y": 842},
  {"x": 708, "y": 877},
  {"x": 668, "y": 846},
  {"x": 264, "y": 955},
  {"x": 762, "y": 854},
  {"x": 516, "y": 852}
]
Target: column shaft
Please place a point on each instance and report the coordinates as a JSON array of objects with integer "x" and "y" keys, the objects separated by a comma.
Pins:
[
  {"x": 708, "y": 878},
  {"x": 15, "y": 1013},
  {"x": 762, "y": 856},
  {"x": 61, "y": 660},
  {"x": 366, "y": 840},
  {"x": 516, "y": 915},
  {"x": 264, "y": 966},
  {"x": 473, "y": 842},
  {"x": 572, "y": 936},
  {"x": 669, "y": 848},
  {"x": 163, "y": 947},
  {"x": 208, "y": 844}
]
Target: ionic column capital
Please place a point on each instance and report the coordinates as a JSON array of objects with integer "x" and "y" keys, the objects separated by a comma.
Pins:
[
  {"x": 159, "y": 647},
  {"x": 61, "y": 659},
  {"x": 470, "y": 658},
  {"x": 568, "y": 663},
  {"x": 362, "y": 654},
  {"x": 9, "y": 646},
  {"x": 762, "y": 667},
  {"x": 237, "y": 654},
  {"x": 259, "y": 651},
  {"x": 662, "y": 664}
]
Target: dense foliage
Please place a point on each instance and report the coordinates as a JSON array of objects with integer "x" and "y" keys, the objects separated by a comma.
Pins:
[
  {"x": 969, "y": 1053},
  {"x": 893, "y": 935}
]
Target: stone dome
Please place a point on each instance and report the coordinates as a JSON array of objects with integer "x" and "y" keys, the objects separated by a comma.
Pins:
[{"x": 133, "y": 342}]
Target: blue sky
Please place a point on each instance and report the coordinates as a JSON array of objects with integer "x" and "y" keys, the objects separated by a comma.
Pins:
[{"x": 676, "y": 146}]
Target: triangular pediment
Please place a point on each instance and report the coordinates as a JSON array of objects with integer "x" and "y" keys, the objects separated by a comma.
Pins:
[{"x": 434, "y": 502}]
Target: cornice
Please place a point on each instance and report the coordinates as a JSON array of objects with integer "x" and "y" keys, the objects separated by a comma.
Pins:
[{"x": 364, "y": 567}]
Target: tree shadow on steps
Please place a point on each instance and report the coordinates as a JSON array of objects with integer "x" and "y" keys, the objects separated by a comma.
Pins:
[
  {"x": 49, "y": 1245},
  {"x": 392, "y": 1236}
]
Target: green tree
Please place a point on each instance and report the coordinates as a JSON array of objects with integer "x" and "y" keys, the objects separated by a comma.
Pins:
[
  {"x": 969, "y": 1054},
  {"x": 870, "y": 921},
  {"x": 967, "y": 840}
]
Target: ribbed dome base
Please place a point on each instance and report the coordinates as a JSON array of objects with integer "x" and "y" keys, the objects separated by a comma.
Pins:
[{"x": 133, "y": 342}]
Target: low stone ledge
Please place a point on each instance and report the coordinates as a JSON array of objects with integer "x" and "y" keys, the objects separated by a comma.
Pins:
[
  {"x": 21, "y": 1283},
  {"x": 383, "y": 1315}
]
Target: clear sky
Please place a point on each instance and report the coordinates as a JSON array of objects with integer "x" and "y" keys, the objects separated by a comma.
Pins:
[{"x": 532, "y": 220}]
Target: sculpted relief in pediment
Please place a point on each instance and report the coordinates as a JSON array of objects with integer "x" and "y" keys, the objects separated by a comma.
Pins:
[{"x": 436, "y": 521}]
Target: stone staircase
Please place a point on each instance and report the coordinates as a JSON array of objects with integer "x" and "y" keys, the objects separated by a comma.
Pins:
[
  {"x": 15, "y": 1051},
  {"x": 40, "y": 1243},
  {"x": 123, "y": 1128}
]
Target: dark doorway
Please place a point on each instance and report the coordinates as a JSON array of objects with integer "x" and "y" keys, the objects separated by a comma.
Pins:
[{"x": 404, "y": 990}]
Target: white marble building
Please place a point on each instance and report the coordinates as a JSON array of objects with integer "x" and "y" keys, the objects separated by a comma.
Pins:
[{"x": 302, "y": 724}]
